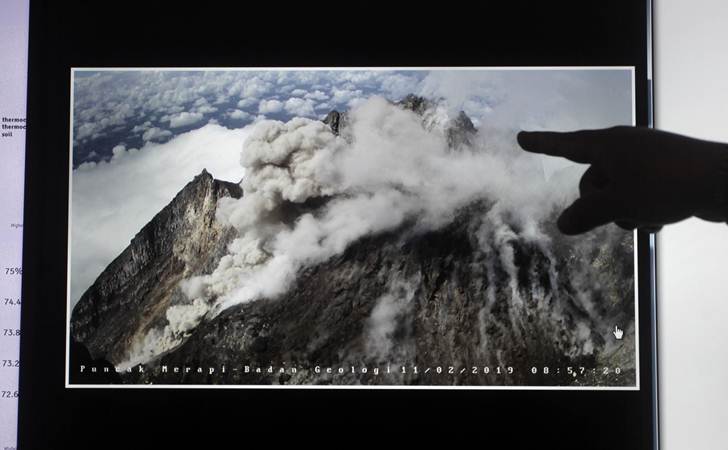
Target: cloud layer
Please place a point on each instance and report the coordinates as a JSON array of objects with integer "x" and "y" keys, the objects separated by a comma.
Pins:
[{"x": 118, "y": 107}]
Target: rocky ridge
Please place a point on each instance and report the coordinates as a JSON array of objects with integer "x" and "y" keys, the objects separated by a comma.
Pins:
[{"x": 132, "y": 294}]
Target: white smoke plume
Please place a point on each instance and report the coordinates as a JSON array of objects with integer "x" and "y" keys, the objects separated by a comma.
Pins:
[
  {"x": 392, "y": 170},
  {"x": 388, "y": 169},
  {"x": 388, "y": 315}
]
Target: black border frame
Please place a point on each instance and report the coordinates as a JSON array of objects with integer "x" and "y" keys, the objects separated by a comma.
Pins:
[{"x": 84, "y": 34}]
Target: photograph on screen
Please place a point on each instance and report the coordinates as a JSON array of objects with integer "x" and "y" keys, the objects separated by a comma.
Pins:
[{"x": 341, "y": 228}]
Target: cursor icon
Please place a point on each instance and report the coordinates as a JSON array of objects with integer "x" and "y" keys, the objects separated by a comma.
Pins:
[{"x": 618, "y": 333}]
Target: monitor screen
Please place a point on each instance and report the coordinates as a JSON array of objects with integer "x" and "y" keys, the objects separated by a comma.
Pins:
[
  {"x": 243, "y": 221},
  {"x": 329, "y": 227}
]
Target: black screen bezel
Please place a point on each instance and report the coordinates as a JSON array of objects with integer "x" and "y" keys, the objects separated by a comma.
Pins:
[{"x": 70, "y": 34}]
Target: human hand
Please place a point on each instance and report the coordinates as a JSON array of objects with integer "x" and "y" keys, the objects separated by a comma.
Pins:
[{"x": 638, "y": 177}]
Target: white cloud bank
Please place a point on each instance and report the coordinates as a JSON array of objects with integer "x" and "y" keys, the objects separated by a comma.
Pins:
[
  {"x": 111, "y": 201},
  {"x": 111, "y": 100},
  {"x": 270, "y": 106},
  {"x": 185, "y": 118},
  {"x": 300, "y": 107},
  {"x": 238, "y": 114},
  {"x": 155, "y": 134}
]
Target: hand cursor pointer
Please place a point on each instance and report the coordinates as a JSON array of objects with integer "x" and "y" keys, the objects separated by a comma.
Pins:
[{"x": 618, "y": 333}]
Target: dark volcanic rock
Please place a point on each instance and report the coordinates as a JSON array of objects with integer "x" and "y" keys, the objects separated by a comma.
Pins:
[
  {"x": 460, "y": 131},
  {"x": 416, "y": 103},
  {"x": 335, "y": 121},
  {"x": 134, "y": 291}
]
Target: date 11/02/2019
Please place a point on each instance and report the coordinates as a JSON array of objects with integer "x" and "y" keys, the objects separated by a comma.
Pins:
[{"x": 486, "y": 370}]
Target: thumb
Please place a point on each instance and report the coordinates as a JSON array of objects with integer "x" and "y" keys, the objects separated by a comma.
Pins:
[{"x": 588, "y": 212}]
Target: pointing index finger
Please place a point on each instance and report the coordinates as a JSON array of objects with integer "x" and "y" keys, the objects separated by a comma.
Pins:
[{"x": 578, "y": 146}]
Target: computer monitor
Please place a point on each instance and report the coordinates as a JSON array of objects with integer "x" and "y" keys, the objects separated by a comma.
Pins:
[{"x": 339, "y": 219}]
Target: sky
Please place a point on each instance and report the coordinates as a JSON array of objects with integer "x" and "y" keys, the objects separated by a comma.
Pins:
[{"x": 140, "y": 136}]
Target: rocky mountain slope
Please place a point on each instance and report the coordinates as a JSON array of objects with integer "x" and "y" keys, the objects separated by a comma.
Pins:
[
  {"x": 405, "y": 297},
  {"x": 134, "y": 291}
]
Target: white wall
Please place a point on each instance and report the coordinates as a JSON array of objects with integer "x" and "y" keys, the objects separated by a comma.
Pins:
[{"x": 691, "y": 92}]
